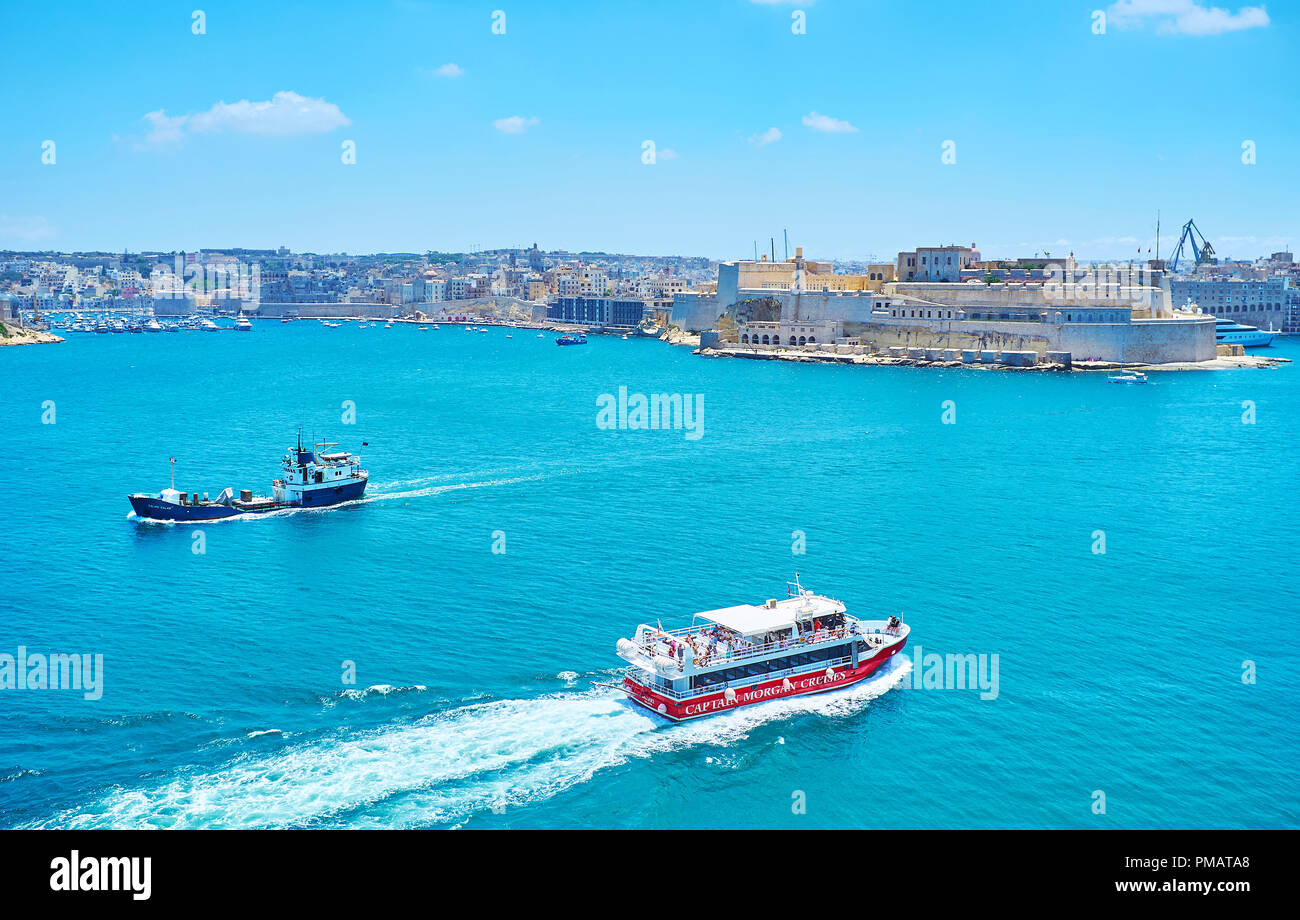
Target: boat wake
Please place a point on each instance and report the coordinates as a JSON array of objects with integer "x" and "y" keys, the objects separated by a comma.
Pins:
[
  {"x": 445, "y": 768},
  {"x": 439, "y": 489}
]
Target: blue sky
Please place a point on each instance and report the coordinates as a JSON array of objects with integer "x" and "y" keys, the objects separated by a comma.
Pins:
[{"x": 1065, "y": 140}]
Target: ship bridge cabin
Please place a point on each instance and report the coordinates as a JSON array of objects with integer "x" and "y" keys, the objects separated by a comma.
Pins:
[
  {"x": 746, "y": 643},
  {"x": 307, "y": 467}
]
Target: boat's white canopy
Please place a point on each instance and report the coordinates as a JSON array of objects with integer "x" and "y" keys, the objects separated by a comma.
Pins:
[{"x": 751, "y": 620}]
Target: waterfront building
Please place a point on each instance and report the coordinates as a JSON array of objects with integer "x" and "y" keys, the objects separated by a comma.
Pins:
[
  {"x": 620, "y": 312},
  {"x": 789, "y": 333},
  {"x": 1273, "y": 302}
]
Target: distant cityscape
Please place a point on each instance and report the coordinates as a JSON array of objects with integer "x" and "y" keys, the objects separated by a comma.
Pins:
[{"x": 935, "y": 300}]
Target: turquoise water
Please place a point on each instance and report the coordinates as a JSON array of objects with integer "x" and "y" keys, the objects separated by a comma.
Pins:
[{"x": 479, "y": 695}]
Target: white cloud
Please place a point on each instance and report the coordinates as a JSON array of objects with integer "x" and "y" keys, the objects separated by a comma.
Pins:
[
  {"x": 284, "y": 114},
  {"x": 667, "y": 153},
  {"x": 1184, "y": 17},
  {"x": 448, "y": 70},
  {"x": 770, "y": 136},
  {"x": 515, "y": 124},
  {"x": 163, "y": 129},
  {"x": 828, "y": 124},
  {"x": 25, "y": 229}
]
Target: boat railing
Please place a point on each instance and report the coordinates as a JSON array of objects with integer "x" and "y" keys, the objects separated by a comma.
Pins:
[
  {"x": 751, "y": 651},
  {"x": 639, "y": 676}
]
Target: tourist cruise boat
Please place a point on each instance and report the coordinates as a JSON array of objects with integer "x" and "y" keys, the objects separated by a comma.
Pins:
[
  {"x": 747, "y": 654},
  {"x": 572, "y": 338},
  {"x": 312, "y": 479},
  {"x": 1227, "y": 332}
]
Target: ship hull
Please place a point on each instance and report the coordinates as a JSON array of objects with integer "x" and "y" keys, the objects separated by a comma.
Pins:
[
  {"x": 760, "y": 692},
  {"x": 155, "y": 509},
  {"x": 1257, "y": 339}
]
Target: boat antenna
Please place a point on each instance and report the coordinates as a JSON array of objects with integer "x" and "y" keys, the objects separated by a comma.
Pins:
[{"x": 172, "y": 461}]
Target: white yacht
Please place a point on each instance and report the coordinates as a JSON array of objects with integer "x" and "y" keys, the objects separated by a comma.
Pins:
[{"x": 1227, "y": 332}]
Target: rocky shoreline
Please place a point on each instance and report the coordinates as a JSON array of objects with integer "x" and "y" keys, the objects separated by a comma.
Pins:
[{"x": 21, "y": 335}]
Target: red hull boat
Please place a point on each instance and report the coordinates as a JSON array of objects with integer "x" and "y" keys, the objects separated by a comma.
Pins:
[{"x": 749, "y": 654}]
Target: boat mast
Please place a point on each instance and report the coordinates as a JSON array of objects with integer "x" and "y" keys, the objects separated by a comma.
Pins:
[{"x": 172, "y": 460}]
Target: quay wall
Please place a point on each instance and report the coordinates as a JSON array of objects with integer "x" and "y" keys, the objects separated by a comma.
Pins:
[{"x": 1147, "y": 341}]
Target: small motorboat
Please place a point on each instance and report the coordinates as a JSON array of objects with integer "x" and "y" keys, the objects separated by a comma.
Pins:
[{"x": 1128, "y": 377}]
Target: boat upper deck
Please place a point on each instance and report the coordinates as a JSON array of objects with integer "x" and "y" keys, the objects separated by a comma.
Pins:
[{"x": 751, "y": 633}]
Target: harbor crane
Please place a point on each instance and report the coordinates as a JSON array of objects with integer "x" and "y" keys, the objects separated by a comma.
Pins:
[{"x": 1203, "y": 253}]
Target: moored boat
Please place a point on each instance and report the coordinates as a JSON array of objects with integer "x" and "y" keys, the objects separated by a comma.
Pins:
[
  {"x": 1227, "y": 332},
  {"x": 572, "y": 338},
  {"x": 312, "y": 479},
  {"x": 807, "y": 643}
]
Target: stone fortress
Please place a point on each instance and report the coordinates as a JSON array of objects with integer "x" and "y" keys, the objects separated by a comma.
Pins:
[{"x": 947, "y": 303}]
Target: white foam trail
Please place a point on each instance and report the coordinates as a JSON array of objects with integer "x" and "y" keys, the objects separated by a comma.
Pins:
[
  {"x": 451, "y": 487},
  {"x": 373, "y": 690},
  {"x": 446, "y": 767},
  {"x": 434, "y": 479}
]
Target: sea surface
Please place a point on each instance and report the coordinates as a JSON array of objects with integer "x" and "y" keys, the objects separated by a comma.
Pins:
[{"x": 481, "y": 696}]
